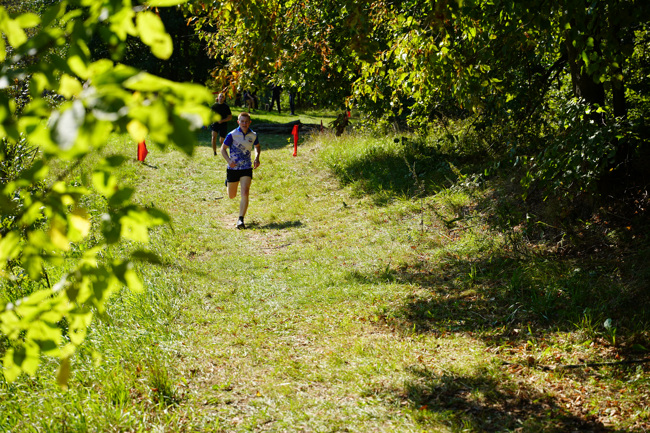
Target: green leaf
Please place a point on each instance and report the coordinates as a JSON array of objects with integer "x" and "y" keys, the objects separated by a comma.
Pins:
[
  {"x": 77, "y": 62},
  {"x": 3, "y": 50},
  {"x": 111, "y": 229},
  {"x": 11, "y": 369},
  {"x": 26, "y": 357},
  {"x": 144, "y": 82},
  {"x": 152, "y": 33},
  {"x": 135, "y": 226},
  {"x": 46, "y": 335},
  {"x": 122, "y": 23},
  {"x": 156, "y": 118},
  {"x": 126, "y": 274},
  {"x": 63, "y": 373},
  {"x": 133, "y": 282},
  {"x": 33, "y": 264},
  {"x": 182, "y": 134},
  {"x": 137, "y": 130},
  {"x": 32, "y": 214},
  {"x": 58, "y": 235},
  {"x": 10, "y": 323},
  {"x": 14, "y": 32},
  {"x": 78, "y": 226},
  {"x": 79, "y": 322},
  {"x": 28, "y": 20},
  {"x": 105, "y": 183},
  {"x": 9, "y": 247}
]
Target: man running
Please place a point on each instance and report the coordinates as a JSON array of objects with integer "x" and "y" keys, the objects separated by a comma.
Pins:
[
  {"x": 236, "y": 150},
  {"x": 220, "y": 128}
]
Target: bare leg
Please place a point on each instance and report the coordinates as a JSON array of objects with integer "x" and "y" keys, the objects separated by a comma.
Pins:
[
  {"x": 232, "y": 189},
  {"x": 245, "y": 190},
  {"x": 214, "y": 141}
]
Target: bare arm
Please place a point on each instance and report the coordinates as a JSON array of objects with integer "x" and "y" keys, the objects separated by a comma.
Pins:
[
  {"x": 224, "y": 153},
  {"x": 258, "y": 150}
]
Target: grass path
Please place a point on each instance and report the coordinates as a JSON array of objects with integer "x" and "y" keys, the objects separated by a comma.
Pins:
[
  {"x": 339, "y": 310},
  {"x": 306, "y": 322},
  {"x": 282, "y": 327}
]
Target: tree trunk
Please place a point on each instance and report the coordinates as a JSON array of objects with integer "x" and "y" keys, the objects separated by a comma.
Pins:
[{"x": 583, "y": 84}]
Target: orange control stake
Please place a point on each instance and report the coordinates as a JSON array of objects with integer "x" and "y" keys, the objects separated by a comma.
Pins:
[
  {"x": 142, "y": 151},
  {"x": 295, "y": 140}
]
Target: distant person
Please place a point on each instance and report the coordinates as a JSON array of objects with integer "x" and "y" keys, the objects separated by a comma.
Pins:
[
  {"x": 220, "y": 127},
  {"x": 275, "y": 96},
  {"x": 292, "y": 101},
  {"x": 236, "y": 150},
  {"x": 249, "y": 101}
]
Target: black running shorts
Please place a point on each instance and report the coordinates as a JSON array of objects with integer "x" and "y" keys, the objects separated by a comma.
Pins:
[
  {"x": 235, "y": 175},
  {"x": 221, "y": 128}
]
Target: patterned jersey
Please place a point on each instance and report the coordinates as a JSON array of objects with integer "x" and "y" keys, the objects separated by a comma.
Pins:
[{"x": 241, "y": 145}]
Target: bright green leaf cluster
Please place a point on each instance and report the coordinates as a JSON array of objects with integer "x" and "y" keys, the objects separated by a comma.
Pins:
[{"x": 42, "y": 214}]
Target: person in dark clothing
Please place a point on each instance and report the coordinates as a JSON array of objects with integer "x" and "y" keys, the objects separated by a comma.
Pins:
[
  {"x": 292, "y": 101},
  {"x": 275, "y": 96},
  {"x": 220, "y": 127}
]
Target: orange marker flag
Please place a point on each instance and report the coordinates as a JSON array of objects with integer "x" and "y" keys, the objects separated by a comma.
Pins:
[
  {"x": 295, "y": 139},
  {"x": 142, "y": 151}
]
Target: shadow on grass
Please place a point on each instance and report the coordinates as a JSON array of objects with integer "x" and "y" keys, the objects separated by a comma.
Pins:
[
  {"x": 278, "y": 225},
  {"x": 591, "y": 271},
  {"x": 505, "y": 302},
  {"x": 155, "y": 167},
  {"x": 488, "y": 403},
  {"x": 497, "y": 297},
  {"x": 508, "y": 302},
  {"x": 380, "y": 173},
  {"x": 599, "y": 277}
]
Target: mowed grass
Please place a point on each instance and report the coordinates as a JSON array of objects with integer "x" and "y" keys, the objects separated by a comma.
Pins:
[{"x": 355, "y": 301}]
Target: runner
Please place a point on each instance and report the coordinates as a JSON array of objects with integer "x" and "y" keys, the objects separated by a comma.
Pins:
[
  {"x": 221, "y": 127},
  {"x": 236, "y": 150}
]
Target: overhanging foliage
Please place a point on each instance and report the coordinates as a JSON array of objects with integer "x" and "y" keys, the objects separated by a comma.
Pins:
[{"x": 69, "y": 105}]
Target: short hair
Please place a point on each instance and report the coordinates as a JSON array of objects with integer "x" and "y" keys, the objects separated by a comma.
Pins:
[{"x": 244, "y": 114}]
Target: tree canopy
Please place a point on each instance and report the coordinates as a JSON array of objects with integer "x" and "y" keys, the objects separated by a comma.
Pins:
[
  {"x": 476, "y": 52},
  {"x": 561, "y": 78}
]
